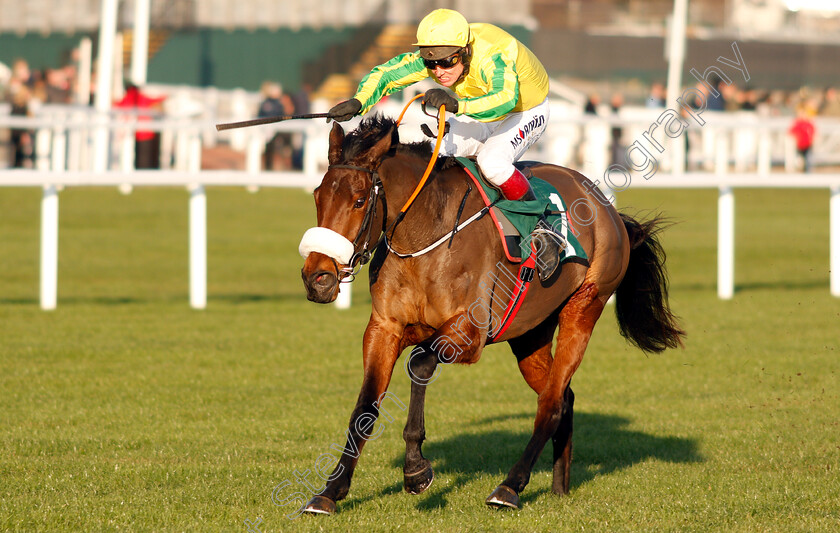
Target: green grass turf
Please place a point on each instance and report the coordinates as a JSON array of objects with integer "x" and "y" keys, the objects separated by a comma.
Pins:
[{"x": 126, "y": 410}]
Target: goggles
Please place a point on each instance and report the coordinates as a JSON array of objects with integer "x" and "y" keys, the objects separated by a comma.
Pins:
[{"x": 445, "y": 63}]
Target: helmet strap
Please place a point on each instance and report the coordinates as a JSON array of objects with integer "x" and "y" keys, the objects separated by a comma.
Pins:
[{"x": 466, "y": 56}]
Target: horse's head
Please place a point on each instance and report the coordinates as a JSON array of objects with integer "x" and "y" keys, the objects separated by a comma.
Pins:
[{"x": 349, "y": 219}]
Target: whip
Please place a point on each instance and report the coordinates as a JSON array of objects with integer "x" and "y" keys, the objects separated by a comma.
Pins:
[{"x": 266, "y": 120}]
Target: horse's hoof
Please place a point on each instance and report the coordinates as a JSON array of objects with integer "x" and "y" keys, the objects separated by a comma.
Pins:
[
  {"x": 503, "y": 497},
  {"x": 319, "y": 505},
  {"x": 418, "y": 482}
]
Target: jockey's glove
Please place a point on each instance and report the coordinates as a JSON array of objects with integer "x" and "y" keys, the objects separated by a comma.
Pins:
[
  {"x": 439, "y": 97},
  {"x": 344, "y": 111}
]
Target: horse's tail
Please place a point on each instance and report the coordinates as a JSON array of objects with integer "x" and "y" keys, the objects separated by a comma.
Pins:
[{"x": 644, "y": 316}]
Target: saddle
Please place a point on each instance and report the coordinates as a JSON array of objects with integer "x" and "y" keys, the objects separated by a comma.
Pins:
[{"x": 540, "y": 227}]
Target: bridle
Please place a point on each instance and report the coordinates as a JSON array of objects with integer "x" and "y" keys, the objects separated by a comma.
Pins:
[{"x": 362, "y": 256}]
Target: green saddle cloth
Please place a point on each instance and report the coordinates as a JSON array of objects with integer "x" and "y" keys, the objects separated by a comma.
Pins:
[{"x": 549, "y": 208}]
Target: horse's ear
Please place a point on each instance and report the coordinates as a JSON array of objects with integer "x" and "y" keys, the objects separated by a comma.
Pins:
[
  {"x": 336, "y": 140},
  {"x": 374, "y": 155}
]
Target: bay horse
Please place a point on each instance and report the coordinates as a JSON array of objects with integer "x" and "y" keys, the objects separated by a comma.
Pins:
[{"x": 424, "y": 301}]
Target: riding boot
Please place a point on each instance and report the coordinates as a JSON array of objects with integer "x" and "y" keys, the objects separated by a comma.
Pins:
[{"x": 516, "y": 187}]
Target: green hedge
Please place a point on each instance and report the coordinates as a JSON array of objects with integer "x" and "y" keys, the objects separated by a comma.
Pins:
[
  {"x": 207, "y": 57},
  {"x": 241, "y": 58}
]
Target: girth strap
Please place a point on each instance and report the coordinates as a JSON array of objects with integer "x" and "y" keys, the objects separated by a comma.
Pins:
[{"x": 526, "y": 275}]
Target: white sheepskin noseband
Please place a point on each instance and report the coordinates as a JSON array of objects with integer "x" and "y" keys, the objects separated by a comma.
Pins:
[{"x": 327, "y": 242}]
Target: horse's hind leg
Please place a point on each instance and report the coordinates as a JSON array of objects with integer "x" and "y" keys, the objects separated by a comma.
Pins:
[
  {"x": 577, "y": 319},
  {"x": 456, "y": 340},
  {"x": 533, "y": 353},
  {"x": 562, "y": 441}
]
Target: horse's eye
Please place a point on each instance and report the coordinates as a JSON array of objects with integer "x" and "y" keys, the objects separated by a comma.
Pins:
[{"x": 359, "y": 203}]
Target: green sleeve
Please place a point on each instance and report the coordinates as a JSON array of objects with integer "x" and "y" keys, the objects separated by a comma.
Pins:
[{"x": 384, "y": 79}]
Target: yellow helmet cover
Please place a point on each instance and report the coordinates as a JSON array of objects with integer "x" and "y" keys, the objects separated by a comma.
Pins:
[{"x": 443, "y": 27}]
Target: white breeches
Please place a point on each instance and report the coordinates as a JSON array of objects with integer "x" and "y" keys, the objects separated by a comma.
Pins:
[{"x": 498, "y": 144}]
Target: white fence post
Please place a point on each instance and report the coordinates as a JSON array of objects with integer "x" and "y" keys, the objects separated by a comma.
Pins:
[
  {"x": 140, "y": 42},
  {"x": 59, "y": 146},
  {"x": 75, "y": 140},
  {"x": 726, "y": 224},
  {"x": 726, "y": 243},
  {"x": 239, "y": 110},
  {"x": 198, "y": 247},
  {"x": 790, "y": 154},
  {"x": 834, "y": 264},
  {"x": 198, "y": 228},
  {"x": 253, "y": 152},
  {"x": 342, "y": 301},
  {"x": 104, "y": 83},
  {"x": 118, "y": 83},
  {"x": 596, "y": 145},
  {"x": 722, "y": 152},
  {"x": 314, "y": 146},
  {"x": 49, "y": 248},
  {"x": 126, "y": 147},
  {"x": 43, "y": 140},
  {"x": 765, "y": 152},
  {"x": 85, "y": 62}
]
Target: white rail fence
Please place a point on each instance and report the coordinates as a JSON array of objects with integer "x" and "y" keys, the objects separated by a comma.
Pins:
[{"x": 64, "y": 139}]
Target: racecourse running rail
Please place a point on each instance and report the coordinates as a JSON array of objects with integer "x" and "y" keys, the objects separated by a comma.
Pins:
[{"x": 61, "y": 145}]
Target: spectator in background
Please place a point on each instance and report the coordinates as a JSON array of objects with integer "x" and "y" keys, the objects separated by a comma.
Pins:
[
  {"x": 21, "y": 72},
  {"x": 22, "y": 140},
  {"x": 20, "y": 96},
  {"x": 733, "y": 97},
  {"x": 39, "y": 90},
  {"x": 146, "y": 143},
  {"x": 656, "y": 98},
  {"x": 592, "y": 103},
  {"x": 270, "y": 106},
  {"x": 58, "y": 87},
  {"x": 273, "y": 105},
  {"x": 715, "y": 103},
  {"x": 803, "y": 131},
  {"x": 750, "y": 100},
  {"x": 302, "y": 99},
  {"x": 831, "y": 103},
  {"x": 288, "y": 103}
]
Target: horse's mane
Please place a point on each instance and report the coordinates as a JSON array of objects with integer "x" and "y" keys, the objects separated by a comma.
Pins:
[{"x": 371, "y": 130}]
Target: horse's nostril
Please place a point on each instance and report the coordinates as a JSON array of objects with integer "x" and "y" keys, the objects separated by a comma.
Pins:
[{"x": 323, "y": 280}]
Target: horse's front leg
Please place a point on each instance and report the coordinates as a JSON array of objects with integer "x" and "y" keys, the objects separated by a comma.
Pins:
[
  {"x": 381, "y": 348},
  {"x": 458, "y": 340}
]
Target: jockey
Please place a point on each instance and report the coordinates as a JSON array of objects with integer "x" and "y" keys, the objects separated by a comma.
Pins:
[{"x": 501, "y": 87}]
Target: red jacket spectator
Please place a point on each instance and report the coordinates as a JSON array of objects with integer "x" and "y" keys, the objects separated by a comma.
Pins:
[
  {"x": 803, "y": 131},
  {"x": 146, "y": 143},
  {"x": 134, "y": 99}
]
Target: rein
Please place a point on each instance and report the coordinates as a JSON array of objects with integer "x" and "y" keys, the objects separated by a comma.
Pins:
[
  {"x": 438, "y": 141},
  {"x": 362, "y": 257},
  {"x": 449, "y": 236}
]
